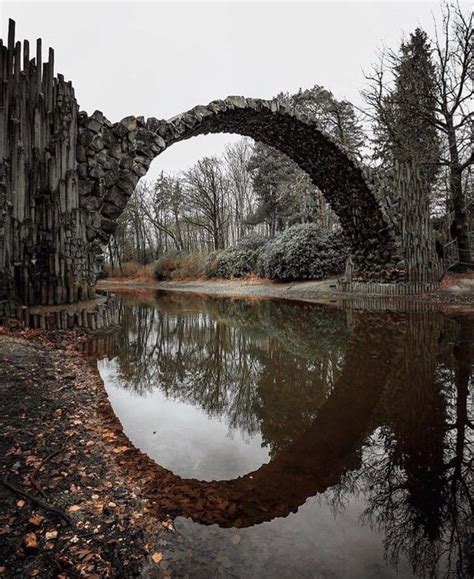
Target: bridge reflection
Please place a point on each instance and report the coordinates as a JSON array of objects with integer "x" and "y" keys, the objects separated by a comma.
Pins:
[{"x": 373, "y": 403}]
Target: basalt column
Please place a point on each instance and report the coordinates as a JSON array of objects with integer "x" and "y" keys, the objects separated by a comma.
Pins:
[{"x": 45, "y": 256}]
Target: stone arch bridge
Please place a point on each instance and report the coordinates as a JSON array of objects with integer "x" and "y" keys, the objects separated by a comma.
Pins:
[
  {"x": 65, "y": 177},
  {"x": 112, "y": 157}
]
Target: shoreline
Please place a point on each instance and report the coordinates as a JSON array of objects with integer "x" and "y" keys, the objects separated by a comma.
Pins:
[{"x": 457, "y": 297}]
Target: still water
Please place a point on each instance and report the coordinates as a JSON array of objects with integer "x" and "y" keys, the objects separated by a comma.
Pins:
[{"x": 341, "y": 440}]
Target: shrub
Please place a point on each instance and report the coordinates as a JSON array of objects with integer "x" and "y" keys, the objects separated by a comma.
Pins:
[
  {"x": 303, "y": 252},
  {"x": 211, "y": 264},
  {"x": 252, "y": 241},
  {"x": 236, "y": 261},
  {"x": 179, "y": 267},
  {"x": 190, "y": 266},
  {"x": 165, "y": 266}
]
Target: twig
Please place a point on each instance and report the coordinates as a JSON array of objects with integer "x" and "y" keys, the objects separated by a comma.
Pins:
[
  {"x": 36, "y": 500},
  {"x": 66, "y": 568},
  {"x": 36, "y": 485},
  {"x": 52, "y": 455}
]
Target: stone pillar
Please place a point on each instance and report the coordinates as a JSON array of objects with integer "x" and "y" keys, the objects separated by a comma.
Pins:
[{"x": 45, "y": 257}]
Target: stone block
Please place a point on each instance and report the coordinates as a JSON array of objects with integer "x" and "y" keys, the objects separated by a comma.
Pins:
[{"x": 130, "y": 123}]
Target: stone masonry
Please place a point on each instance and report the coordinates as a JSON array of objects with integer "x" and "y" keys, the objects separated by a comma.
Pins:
[{"x": 113, "y": 156}]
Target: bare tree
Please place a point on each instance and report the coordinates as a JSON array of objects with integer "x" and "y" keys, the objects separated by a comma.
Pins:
[
  {"x": 454, "y": 51},
  {"x": 162, "y": 206},
  {"x": 236, "y": 160},
  {"x": 205, "y": 199}
]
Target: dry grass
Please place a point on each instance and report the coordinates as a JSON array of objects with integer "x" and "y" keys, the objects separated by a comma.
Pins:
[
  {"x": 131, "y": 270},
  {"x": 190, "y": 267},
  {"x": 182, "y": 267},
  {"x": 453, "y": 279},
  {"x": 174, "y": 268}
]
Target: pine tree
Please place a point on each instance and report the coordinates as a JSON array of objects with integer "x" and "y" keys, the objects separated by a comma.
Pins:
[{"x": 413, "y": 136}]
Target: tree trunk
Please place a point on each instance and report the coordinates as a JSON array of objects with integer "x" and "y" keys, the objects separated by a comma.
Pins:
[{"x": 459, "y": 226}]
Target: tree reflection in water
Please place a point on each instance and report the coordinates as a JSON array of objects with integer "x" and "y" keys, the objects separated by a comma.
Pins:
[
  {"x": 416, "y": 472},
  {"x": 234, "y": 359},
  {"x": 269, "y": 367}
]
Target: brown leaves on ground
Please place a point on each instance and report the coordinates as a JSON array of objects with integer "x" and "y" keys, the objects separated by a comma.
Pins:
[
  {"x": 36, "y": 520},
  {"x": 74, "y": 508},
  {"x": 30, "y": 541},
  {"x": 58, "y": 449}
]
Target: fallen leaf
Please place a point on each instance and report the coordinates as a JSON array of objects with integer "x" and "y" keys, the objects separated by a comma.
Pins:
[
  {"x": 85, "y": 554},
  {"x": 36, "y": 520},
  {"x": 119, "y": 449},
  {"x": 108, "y": 434},
  {"x": 30, "y": 541},
  {"x": 20, "y": 503},
  {"x": 34, "y": 572},
  {"x": 74, "y": 508},
  {"x": 157, "y": 557},
  {"x": 51, "y": 535}
]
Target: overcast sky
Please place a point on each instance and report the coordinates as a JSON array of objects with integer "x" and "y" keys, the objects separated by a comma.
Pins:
[{"x": 162, "y": 58}]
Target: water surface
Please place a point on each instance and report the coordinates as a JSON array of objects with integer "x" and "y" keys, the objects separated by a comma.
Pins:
[{"x": 343, "y": 439}]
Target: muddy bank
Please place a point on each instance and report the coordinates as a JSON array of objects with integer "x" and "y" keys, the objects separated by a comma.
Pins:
[
  {"x": 456, "y": 292},
  {"x": 68, "y": 508}
]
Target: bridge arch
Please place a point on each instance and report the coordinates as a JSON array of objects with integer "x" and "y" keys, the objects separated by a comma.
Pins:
[{"x": 112, "y": 158}]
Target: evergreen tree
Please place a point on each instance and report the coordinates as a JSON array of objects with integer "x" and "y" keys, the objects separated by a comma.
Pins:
[
  {"x": 425, "y": 115},
  {"x": 411, "y": 134}
]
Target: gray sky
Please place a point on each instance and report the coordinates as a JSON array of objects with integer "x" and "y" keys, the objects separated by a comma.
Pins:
[{"x": 162, "y": 58}]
